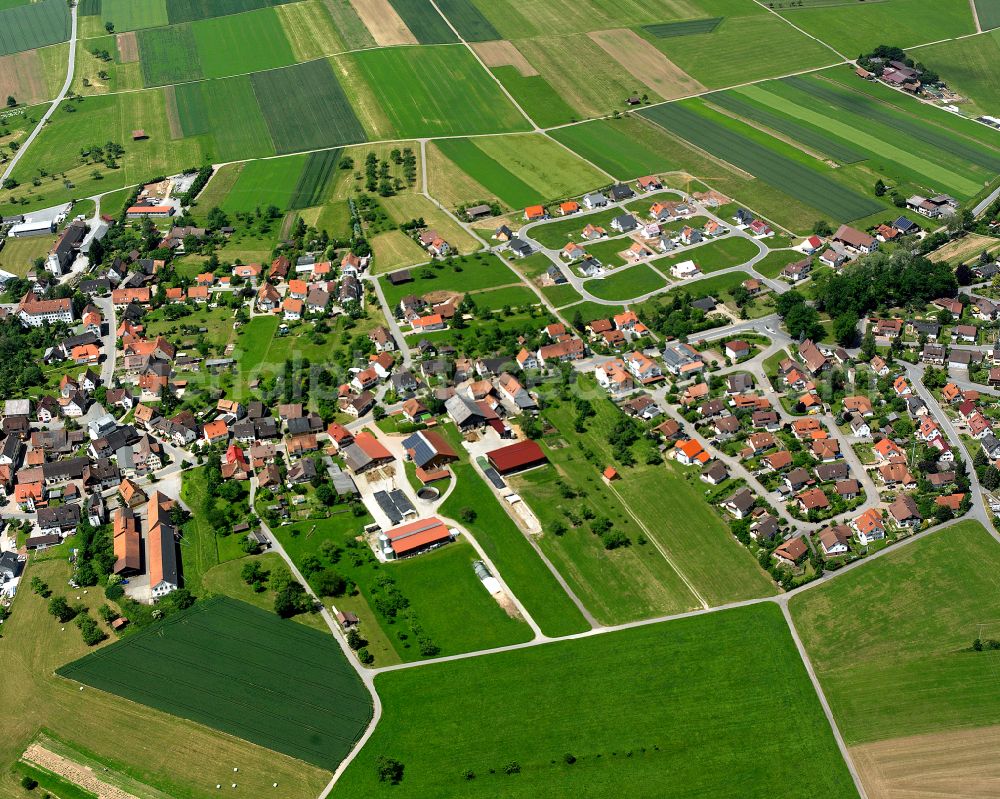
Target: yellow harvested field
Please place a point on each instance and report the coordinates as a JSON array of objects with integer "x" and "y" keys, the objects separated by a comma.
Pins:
[
  {"x": 309, "y": 29},
  {"x": 448, "y": 184},
  {"x": 385, "y": 25},
  {"x": 504, "y": 54},
  {"x": 128, "y": 47},
  {"x": 647, "y": 64},
  {"x": 964, "y": 764},
  {"x": 366, "y": 106},
  {"x": 23, "y": 78},
  {"x": 965, "y": 248},
  {"x": 394, "y": 249}
]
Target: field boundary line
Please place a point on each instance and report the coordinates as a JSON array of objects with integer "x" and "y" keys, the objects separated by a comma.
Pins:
[
  {"x": 827, "y": 711},
  {"x": 684, "y": 578},
  {"x": 805, "y": 33}
]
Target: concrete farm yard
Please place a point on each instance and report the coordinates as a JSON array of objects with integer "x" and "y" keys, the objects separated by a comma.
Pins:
[{"x": 469, "y": 398}]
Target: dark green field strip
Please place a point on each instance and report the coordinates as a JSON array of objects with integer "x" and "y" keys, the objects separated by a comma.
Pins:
[
  {"x": 244, "y": 671},
  {"x": 424, "y": 21},
  {"x": 870, "y": 108},
  {"x": 536, "y": 96},
  {"x": 89, "y": 8},
  {"x": 470, "y": 22},
  {"x": 988, "y": 12},
  {"x": 795, "y": 179},
  {"x": 689, "y": 27},
  {"x": 802, "y": 132},
  {"x": 508, "y": 188},
  {"x": 228, "y": 112},
  {"x": 168, "y": 55},
  {"x": 36, "y": 25},
  {"x": 314, "y": 182},
  {"x": 305, "y": 108},
  {"x": 190, "y": 10},
  {"x": 620, "y": 146}
]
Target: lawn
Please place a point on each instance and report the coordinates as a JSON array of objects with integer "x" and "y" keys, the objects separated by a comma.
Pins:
[
  {"x": 201, "y": 546},
  {"x": 776, "y": 260},
  {"x": 556, "y": 233},
  {"x": 856, "y": 28},
  {"x": 305, "y": 108},
  {"x": 512, "y": 554},
  {"x": 216, "y": 664},
  {"x": 35, "y": 646},
  {"x": 508, "y": 297},
  {"x": 776, "y": 163},
  {"x": 25, "y": 27},
  {"x": 407, "y": 205},
  {"x": 130, "y": 15},
  {"x": 17, "y": 256},
  {"x": 262, "y": 183},
  {"x": 552, "y": 710},
  {"x": 625, "y": 283},
  {"x": 437, "y": 91},
  {"x": 715, "y": 255},
  {"x": 900, "y": 661},
  {"x": 453, "y": 606},
  {"x": 474, "y": 272},
  {"x": 241, "y": 43},
  {"x": 424, "y": 22},
  {"x": 762, "y": 46}
]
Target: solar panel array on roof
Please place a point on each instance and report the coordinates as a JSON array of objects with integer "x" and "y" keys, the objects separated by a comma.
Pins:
[
  {"x": 388, "y": 507},
  {"x": 402, "y": 502},
  {"x": 493, "y": 477},
  {"x": 422, "y": 452}
]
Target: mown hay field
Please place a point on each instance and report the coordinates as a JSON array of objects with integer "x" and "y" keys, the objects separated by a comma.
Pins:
[{"x": 241, "y": 670}]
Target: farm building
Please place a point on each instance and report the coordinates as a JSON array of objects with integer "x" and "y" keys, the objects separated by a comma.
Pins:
[
  {"x": 414, "y": 538},
  {"x": 517, "y": 457}
]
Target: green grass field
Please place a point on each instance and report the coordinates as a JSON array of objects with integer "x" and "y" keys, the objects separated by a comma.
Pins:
[
  {"x": 305, "y": 108},
  {"x": 424, "y": 22},
  {"x": 899, "y": 661},
  {"x": 27, "y": 26},
  {"x": 969, "y": 67},
  {"x": 757, "y": 47},
  {"x": 707, "y": 679},
  {"x": 536, "y": 96},
  {"x": 242, "y": 43},
  {"x": 18, "y": 255},
  {"x": 216, "y": 664},
  {"x": 557, "y": 233},
  {"x": 191, "y": 10},
  {"x": 451, "y": 603},
  {"x": 855, "y": 28},
  {"x": 507, "y": 188},
  {"x": 475, "y": 272},
  {"x": 667, "y": 30},
  {"x": 627, "y": 148},
  {"x": 130, "y": 15},
  {"x": 226, "y": 113},
  {"x": 437, "y": 91},
  {"x": 988, "y": 12},
  {"x": 715, "y": 255},
  {"x": 776, "y": 164},
  {"x": 469, "y": 21},
  {"x": 264, "y": 183},
  {"x": 775, "y": 261},
  {"x": 625, "y": 283},
  {"x": 169, "y": 55}
]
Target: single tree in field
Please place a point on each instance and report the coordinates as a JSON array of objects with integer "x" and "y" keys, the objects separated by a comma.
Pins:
[{"x": 11, "y": 102}]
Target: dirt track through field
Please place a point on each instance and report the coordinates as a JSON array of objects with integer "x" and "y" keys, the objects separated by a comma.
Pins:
[
  {"x": 128, "y": 47},
  {"x": 646, "y": 64},
  {"x": 385, "y": 25},
  {"x": 73, "y": 772},
  {"x": 964, "y": 764},
  {"x": 504, "y": 54},
  {"x": 22, "y": 77}
]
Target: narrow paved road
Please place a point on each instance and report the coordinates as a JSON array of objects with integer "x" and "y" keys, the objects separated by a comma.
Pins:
[{"x": 70, "y": 69}]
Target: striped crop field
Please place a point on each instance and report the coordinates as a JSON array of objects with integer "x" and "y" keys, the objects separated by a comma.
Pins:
[
  {"x": 26, "y": 27},
  {"x": 775, "y": 164},
  {"x": 226, "y": 111},
  {"x": 241, "y": 670},
  {"x": 168, "y": 55},
  {"x": 314, "y": 182},
  {"x": 424, "y": 21},
  {"x": 469, "y": 21},
  {"x": 305, "y": 108},
  {"x": 689, "y": 27}
]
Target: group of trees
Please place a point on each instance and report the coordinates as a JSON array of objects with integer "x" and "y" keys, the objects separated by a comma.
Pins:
[
  {"x": 393, "y": 605},
  {"x": 676, "y": 317}
]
